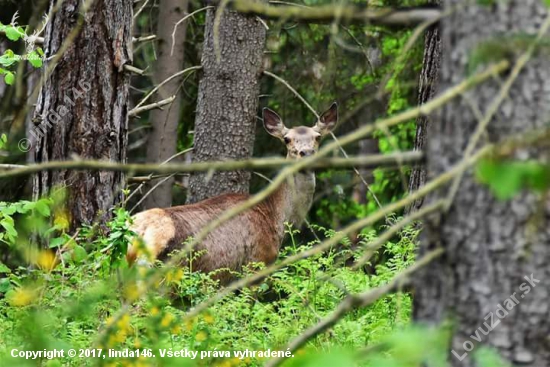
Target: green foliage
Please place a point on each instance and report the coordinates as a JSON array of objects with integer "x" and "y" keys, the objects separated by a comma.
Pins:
[
  {"x": 35, "y": 209},
  {"x": 506, "y": 178},
  {"x": 89, "y": 301},
  {"x": 9, "y": 58}
]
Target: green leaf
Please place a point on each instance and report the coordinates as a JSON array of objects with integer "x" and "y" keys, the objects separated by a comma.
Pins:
[
  {"x": 10, "y": 229},
  {"x": 4, "y": 285},
  {"x": 42, "y": 207},
  {"x": 13, "y": 33},
  {"x": 507, "y": 178},
  {"x": 4, "y": 269},
  {"x": 57, "y": 242},
  {"x": 35, "y": 59},
  {"x": 501, "y": 177},
  {"x": 9, "y": 210},
  {"x": 537, "y": 176},
  {"x": 9, "y": 78},
  {"x": 8, "y": 58},
  {"x": 79, "y": 254}
]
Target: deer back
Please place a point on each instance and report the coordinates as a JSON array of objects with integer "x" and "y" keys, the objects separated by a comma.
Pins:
[{"x": 252, "y": 236}]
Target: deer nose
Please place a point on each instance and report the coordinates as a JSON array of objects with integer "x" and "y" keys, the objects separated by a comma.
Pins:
[{"x": 306, "y": 152}]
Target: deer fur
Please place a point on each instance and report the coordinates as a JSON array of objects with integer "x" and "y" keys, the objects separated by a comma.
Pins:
[{"x": 252, "y": 236}]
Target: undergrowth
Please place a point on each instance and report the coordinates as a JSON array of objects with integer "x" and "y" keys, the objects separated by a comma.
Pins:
[{"x": 90, "y": 298}]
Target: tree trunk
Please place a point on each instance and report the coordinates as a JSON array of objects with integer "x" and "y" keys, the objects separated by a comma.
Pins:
[
  {"x": 490, "y": 245},
  {"x": 429, "y": 78},
  {"x": 163, "y": 138},
  {"x": 227, "y": 102},
  {"x": 82, "y": 108}
]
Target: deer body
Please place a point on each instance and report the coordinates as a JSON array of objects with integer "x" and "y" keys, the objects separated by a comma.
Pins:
[{"x": 252, "y": 236}]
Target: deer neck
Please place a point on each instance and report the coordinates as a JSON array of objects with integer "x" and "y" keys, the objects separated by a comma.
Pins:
[{"x": 294, "y": 198}]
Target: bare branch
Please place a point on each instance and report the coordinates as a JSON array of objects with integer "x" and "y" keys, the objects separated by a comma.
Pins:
[
  {"x": 256, "y": 164},
  {"x": 183, "y": 20},
  {"x": 179, "y": 73},
  {"x": 340, "y": 13},
  {"x": 151, "y": 37},
  {"x": 133, "y": 69},
  {"x": 136, "y": 111}
]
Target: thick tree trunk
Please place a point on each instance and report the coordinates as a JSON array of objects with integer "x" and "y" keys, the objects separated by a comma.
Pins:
[
  {"x": 163, "y": 138},
  {"x": 490, "y": 245},
  {"x": 429, "y": 78},
  {"x": 227, "y": 101},
  {"x": 82, "y": 109}
]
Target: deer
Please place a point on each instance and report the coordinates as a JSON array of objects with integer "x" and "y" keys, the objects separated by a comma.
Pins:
[{"x": 253, "y": 236}]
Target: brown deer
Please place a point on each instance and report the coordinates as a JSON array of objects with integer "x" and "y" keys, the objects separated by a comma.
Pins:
[{"x": 256, "y": 234}]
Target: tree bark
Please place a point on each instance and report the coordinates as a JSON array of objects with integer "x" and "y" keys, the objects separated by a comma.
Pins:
[
  {"x": 163, "y": 138},
  {"x": 227, "y": 102},
  {"x": 429, "y": 78},
  {"x": 82, "y": 108},
  {"x": 490, "y": 245}
]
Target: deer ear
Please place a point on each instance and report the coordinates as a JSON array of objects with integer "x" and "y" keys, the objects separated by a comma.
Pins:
[
  {"x": 327, "y": 121},
  {"x": 273, "y": 124}
]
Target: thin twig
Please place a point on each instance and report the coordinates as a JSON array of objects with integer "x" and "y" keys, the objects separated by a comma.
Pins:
[
  {"x": 160, "y": 182},
  {"x": 140, "y": 9},
  {"x": 136, "y": 111},
  {"x": 133, "y": 69},
  {"x": 179, "y": 73},
  {"x": 183, "y": 20},
  {"x": 339, "y": 12},
  {"x": 230, "y": 165},
  {"x": 151, "y": 37},
  {"x": 138, "y": 189}
]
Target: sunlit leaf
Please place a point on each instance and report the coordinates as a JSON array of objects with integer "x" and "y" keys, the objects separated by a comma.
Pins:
[
  {"x": 9, "y": 78},
  {"x": 13, "y": 33},
  {"x": 35, "y": 59}
]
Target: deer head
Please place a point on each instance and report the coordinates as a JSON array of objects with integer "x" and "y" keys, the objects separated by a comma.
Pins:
[{"x": 301, "y": 141}]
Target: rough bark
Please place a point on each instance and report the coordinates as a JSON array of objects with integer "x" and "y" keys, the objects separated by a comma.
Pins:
[
  {"x": 162, "y": 140},
  {"x": 427, "y": 84},
  {"x": 83, "y": 106},
  {"x": 489, "y": 245},
  {"x": 227, "y": 102}
]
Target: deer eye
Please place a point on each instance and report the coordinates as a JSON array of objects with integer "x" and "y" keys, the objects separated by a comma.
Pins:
[
  {"x": 287, "y": 140},
  {"x": 318, "y": 138}
]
